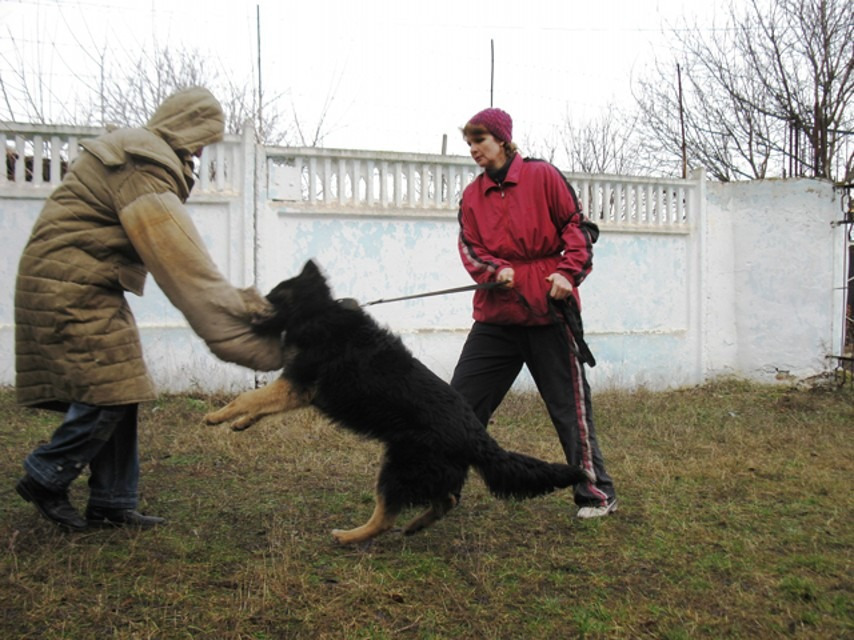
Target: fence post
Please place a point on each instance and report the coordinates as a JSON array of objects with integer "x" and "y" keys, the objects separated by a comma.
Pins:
[
  {"x": 245, "y": 181},
  {"x": 699, "y": 272}
]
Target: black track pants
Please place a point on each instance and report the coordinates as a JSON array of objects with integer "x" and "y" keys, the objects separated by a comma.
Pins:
[{"x": 492, "y": 358}]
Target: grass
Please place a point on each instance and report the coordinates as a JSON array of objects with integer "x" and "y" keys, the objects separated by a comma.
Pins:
[{"x": 735, "y": 522}]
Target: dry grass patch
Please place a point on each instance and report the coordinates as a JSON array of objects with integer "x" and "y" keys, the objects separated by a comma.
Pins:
[{"x": 735, "y": 523}]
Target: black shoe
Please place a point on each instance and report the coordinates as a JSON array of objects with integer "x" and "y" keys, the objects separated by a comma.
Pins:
[
  {"x": 101, "y": 517},
  {"x": 53, "y": 505}
]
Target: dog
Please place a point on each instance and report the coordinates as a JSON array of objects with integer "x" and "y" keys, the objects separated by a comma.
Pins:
[{"x": 339, "y": 360}]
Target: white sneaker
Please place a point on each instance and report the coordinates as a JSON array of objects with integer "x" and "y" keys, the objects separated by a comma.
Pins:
[{"x": 597, "y": 512}]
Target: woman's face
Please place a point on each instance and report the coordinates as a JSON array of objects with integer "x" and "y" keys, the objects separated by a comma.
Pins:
[{"x": 487, "y": 152}]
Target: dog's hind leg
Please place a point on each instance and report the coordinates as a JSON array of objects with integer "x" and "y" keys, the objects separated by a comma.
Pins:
[
  {"x": 247, "y": 408},
  {"x": 381, "y": 521},
  {"x": 436, "y": 511}
]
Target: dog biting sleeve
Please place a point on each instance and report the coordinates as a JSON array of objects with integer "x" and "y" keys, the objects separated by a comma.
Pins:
[{"x": 169, "y": 245}]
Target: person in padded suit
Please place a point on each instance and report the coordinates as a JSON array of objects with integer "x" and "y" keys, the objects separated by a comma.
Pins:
[{"x": 117, "y": 215}]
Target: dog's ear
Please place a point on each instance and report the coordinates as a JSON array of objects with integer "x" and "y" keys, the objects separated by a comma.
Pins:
[
  {"x": 314, "y": 277},
  {"x": 311, "y": 269}
]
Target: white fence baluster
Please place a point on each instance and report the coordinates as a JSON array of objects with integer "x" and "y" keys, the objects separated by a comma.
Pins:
[
  {"x": 410, "y": 184},
  {"x": 38, "y": 161},
  {"x": 55, "y": 160},
  {"x": 425, "y": 185},
  {"x": 219, "y": 167},
  {"x": 323, "y": 179}
]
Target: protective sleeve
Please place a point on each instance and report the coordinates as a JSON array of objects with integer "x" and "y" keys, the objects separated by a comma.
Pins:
[{"x": 169, "y": 245}]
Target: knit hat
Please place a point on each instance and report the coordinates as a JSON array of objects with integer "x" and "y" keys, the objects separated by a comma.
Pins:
[{"x": 497, "y": 122}]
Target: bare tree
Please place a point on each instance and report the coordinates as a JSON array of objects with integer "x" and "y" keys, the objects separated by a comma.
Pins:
[
  {"x": 26, "y": 91},
  {"x": 240, "y": 104},
  {"x": 545, "y": 148},
  {"x": 604, "y": 144},
  {"x": 312, "y": 137},
  {"x": 773, "y": 86},
  {"x": 722, "y": 134},
  {"x": 129, "y": 97},
  {"x": 125, "y": 92}
]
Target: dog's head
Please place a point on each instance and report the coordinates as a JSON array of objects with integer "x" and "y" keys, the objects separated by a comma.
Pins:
[{"x": 296, "y": 297}]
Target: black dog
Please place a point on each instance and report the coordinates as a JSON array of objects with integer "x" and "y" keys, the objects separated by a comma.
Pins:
[{"x": 338, "y": 359}]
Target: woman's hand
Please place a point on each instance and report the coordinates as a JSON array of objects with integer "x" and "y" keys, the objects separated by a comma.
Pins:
[
  {"x": 507, "y": 277},
  {"x": 561, "y": 287}
]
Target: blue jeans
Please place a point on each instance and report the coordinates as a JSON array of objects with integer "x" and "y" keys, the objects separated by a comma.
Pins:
[{"x": 105, "y": 439}]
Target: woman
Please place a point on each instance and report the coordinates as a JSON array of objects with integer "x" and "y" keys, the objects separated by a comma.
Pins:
[{"x": 521, "y": 225}]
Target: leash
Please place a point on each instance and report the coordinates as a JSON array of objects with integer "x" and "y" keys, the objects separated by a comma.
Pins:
[
  {"x": 567, "y": 313},
  {"x": 470, "y": 287},
  {"x": 564, "y": 312}
]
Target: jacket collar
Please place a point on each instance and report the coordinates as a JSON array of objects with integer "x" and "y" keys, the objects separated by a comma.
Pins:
[{"x": 513, "y": 174}]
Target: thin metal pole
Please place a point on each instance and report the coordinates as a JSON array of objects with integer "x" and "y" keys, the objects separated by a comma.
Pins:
[
  {"x": 260, "y": 90},
  {"x": 682, "y": 124},
  {"x": 491, "y": 69}
]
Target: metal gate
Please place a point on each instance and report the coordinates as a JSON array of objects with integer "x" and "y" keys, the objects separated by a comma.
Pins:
[{"x": 845, "y": 357}]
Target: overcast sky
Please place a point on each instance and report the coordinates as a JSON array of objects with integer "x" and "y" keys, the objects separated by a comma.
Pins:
[{"x": 397, "y": 74}]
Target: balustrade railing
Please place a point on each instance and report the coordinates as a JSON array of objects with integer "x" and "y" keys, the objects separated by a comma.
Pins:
[
  {"x": 220, "y": 170},
  {"x": 308, "y": 179},
  {"x": 38, "y": 155},
  {"x": 328, "y": 179},
  {"x": 337, "y": 181},
  {"x": 632, "y": 202}
]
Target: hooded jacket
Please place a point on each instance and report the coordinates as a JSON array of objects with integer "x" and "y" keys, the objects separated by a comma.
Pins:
[
  {"x": 532, "y": 222},
  {"x": 117, "y": 215}
]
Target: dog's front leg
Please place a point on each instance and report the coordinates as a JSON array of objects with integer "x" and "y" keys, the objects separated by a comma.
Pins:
[{"x": 247, "y": 408}]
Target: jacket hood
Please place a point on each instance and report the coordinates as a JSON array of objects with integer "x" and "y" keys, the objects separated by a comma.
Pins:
[{"x": 189, "y": 120}]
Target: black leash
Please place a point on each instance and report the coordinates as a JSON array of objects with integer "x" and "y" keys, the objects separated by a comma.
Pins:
[
  {"x": 560, "y": 311},
  {"x": 565, "y": 312},
  {"x": 471, "y": 287}
]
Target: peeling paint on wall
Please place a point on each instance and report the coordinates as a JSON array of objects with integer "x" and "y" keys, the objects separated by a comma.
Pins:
[{"x": 747, "y": 289}]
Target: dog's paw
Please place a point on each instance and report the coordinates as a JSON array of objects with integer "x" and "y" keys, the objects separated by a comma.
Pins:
[
  {"x": 348, "y": 538},
  {"x": 339, "y": 536},
  {"x": 242, "y": 424}
]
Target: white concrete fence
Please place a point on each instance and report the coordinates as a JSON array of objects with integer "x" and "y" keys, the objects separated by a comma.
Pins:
[{"x": 691, "y": 279}]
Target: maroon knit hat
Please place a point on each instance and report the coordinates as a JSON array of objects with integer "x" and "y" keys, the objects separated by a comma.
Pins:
[{"x": 497, "y": 122}]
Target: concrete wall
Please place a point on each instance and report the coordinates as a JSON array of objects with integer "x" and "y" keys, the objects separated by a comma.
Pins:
[
  {"x": 774, "y": 270},
  {"x": 746, "y": 290},
  {"x": 748, "y": 286}
]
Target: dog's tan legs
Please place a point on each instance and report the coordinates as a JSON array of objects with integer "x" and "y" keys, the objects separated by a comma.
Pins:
[
  {"x": 248, "y": 407},
  {"x": 382, "y": 520},
  {"x": 436, "y": 511}
]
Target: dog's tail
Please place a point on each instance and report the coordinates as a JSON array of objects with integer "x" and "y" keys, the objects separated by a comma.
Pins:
[{"x": 508, "y": 474}]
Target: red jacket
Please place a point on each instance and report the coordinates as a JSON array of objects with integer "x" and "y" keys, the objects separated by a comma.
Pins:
[{"x": 532, "y": 222}]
